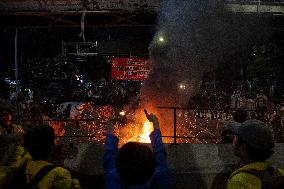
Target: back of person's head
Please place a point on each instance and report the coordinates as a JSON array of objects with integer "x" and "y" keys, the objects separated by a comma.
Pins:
[
  {"x": 257, "y": 137},
  {"x": 135, "y": 163},
  {"x": 5, "y": 105},
  {"x": 227, "y": 134},
  {"x": 39, "y": 142},
  {"x": 240, "y": 115}
]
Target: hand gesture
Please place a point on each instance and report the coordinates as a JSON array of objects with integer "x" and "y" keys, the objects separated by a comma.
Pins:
[{"x": 152, "y": 118}]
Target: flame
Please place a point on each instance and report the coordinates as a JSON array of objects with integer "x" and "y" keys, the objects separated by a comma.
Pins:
[
  {"x": 133, "y": 126},
  {"x": 146, "y": 131}
]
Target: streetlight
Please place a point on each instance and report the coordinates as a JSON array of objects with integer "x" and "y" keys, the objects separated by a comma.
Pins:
[{"x": 161, "y": 39}]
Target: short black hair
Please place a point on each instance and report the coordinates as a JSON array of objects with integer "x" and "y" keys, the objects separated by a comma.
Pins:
[
  {"x": 39, "y": 142},
  {"x": 240, "y": 115},
  {"x": 135, "y": 163}
]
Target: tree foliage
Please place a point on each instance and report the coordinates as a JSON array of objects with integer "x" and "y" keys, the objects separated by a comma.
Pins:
[{"x": 266, "y": 63}]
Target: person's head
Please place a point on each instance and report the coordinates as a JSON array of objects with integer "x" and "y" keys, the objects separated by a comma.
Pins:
[
  {"x": 240, "y": 115},
  {"x": 135, "y": 163},
  {"x": 6, "y": 111},
  {"x": 253, "y": 141},
  {"x": 39, "y": 142},
  {"x": 227, "y": 134}
]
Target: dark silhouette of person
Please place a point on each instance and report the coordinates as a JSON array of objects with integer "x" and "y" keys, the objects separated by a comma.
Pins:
[
  {"x": 135, "y": 165},
  {"x": 39, "y": 142}
]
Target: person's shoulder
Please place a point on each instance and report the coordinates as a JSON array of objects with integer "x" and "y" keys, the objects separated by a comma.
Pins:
[
  {"x": 281, "y": 171},
  {"x": 236, "y": 184},
  {"x": 246, "y": 176},
  {"x": 18, "y": 129},
  {"x": 241, "y": 179},
  {"x": 58, "y": 177},
  {"x": 60, "y": 171}
]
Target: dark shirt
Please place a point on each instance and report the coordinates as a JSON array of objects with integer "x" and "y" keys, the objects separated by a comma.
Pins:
[{"x": 159, "y": 180}]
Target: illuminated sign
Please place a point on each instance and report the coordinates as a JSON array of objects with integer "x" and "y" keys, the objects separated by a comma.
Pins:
[{"x": 129, "y": 69}]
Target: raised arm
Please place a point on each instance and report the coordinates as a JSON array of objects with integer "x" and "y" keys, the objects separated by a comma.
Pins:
[
  {"x": 156, "y": 141},
  {"x": 161, "y": 178},
  {"x": 111, "y": 149},
  {"x": 111, "y": 176}
]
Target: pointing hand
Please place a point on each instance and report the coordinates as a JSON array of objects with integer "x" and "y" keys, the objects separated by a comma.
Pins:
[{"x": 152, "y": 118}]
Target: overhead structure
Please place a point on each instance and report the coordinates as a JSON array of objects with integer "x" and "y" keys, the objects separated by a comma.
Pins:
[
  {"x": 80, "y": 48},
  {"x": 76, "y": 5},
  {"x": 70, "y": 13}
]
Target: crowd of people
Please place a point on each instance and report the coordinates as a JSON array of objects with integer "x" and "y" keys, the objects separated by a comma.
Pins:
[
  {"x": 219, "y": 104},
  {"x": 25, "y": 162}
]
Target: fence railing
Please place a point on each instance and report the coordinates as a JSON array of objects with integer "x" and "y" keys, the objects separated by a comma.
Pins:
[
  {"x": 89, "y": 130},
  {"x": 261, "y": 114}
]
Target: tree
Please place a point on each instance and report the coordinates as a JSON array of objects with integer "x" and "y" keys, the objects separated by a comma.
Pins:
[{"x": 266, "y": 62}]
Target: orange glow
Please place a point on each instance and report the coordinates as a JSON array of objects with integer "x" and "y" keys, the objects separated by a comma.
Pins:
[
  {"x": 146, "y": 131},
  {"x": 134, "y": 127}
]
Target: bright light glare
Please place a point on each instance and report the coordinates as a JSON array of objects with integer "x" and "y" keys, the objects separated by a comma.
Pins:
[
  {"x": 147, "y": 129},
  {"x": 161, "y": 39},
  {"x": 122, "y": 113},
  {"x": 182, "y": 86}
]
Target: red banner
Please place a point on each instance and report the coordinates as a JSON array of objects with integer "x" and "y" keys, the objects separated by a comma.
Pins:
[{"x": 129, "y": 69}]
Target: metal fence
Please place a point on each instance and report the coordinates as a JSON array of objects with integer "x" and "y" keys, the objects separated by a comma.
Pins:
[
  {"x": 211, "y": 122},
  {"x": 188, "y": 126}
]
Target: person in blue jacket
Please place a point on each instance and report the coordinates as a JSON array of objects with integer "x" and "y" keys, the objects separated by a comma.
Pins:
[{"x": 135, "y": 165}]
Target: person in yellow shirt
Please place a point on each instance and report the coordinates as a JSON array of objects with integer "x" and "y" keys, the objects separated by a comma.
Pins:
[
  {"x": 6, "y": 119},
  {"x": 39, "y": 142},
  {"x": 253, "y": 143},
  {"x": 12, "y": 153}
]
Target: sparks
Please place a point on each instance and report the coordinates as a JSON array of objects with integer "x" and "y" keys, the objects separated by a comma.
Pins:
[{"x": 122, "y": 113}]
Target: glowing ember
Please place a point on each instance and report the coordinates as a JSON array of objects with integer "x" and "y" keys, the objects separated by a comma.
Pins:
[
  {"x": 122, "y": 113},
  {"x": 91, "y": 126},
  {"x": 147, "y": 129}
]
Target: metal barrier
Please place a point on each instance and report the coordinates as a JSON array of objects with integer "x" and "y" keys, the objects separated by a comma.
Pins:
[
  {"x": 263, "y": 115},
  {"x": 90, "y": 130}
]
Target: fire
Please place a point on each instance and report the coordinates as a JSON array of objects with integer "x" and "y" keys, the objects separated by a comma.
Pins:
[
  {"x": 146, "y": 131},
  {"x": 133, "y": 127}
]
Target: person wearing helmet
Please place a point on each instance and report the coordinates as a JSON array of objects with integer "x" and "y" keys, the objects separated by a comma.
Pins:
[{"x": 253, "y": 143}]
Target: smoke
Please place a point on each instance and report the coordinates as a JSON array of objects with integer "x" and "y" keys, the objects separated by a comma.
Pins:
[
  {"x": 186, "y": 44},
  {"x": 192, "y": 37}
]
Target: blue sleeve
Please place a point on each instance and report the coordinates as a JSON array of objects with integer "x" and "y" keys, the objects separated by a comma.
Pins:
[
  {"x": 112, "y": 179},
  {"x": 161, "y": 178},
  {"x": 158, "y": 148}
]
